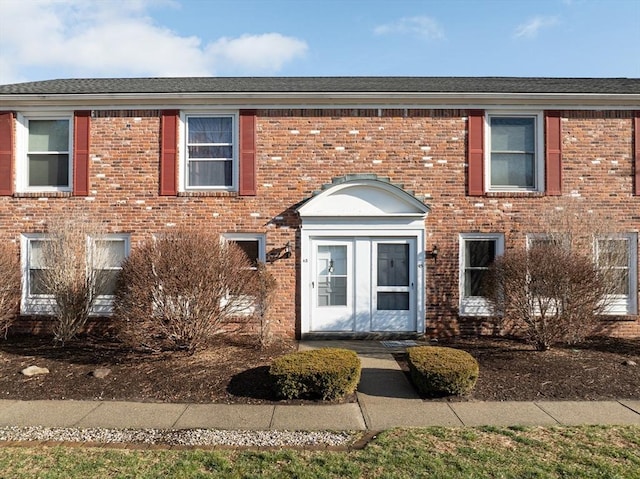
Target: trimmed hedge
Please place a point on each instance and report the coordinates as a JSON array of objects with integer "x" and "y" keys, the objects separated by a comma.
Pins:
[
  {"x": 328, "y": 373},
  {"x": 440, "y": 371}
]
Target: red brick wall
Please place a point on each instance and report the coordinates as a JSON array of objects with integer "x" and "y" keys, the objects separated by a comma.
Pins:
[{"x": 300, "y": 150}]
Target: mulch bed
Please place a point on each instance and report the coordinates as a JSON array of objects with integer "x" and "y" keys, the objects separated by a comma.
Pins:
[
  {"x": 513, "y": 371},
  {"x": 235, "y": 370}
]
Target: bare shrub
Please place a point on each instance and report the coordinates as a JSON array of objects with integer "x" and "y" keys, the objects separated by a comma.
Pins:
[
  {"x": 71, "y": 272},
  {"x": 9, "y": 287},
  {"x": 265, "y": 289},
  {"x": 176, "y": 291},
  {"x": 556, "y": 289}
]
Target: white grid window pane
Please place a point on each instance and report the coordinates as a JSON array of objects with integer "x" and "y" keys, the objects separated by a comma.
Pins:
[{"x": 209, "y": 151}]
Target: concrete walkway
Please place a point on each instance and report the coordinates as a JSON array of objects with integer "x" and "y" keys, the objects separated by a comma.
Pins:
[{"x": 385, "y": 399}]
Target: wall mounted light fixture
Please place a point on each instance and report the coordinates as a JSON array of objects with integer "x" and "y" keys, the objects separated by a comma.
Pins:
[
  {"x": 434, "y": 252},
  {"x": 279, "y": 253}
]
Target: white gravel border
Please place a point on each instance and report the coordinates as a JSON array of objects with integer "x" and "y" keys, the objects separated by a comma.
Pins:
[{"x": 182, "y": 437}]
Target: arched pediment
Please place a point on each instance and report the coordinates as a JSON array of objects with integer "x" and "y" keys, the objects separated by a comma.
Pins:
[{"x": 363, "y": 197}]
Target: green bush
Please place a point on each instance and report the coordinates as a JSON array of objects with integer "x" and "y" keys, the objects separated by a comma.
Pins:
[
  {"x": 328, "y": 373},
  {"x": 439, "y": 371}
]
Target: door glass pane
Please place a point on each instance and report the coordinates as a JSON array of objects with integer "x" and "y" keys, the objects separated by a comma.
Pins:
[
  {"x": 393, "y": 264},
  {"x": 332, "y": 275},
  {"x": 393, "y": 301}
]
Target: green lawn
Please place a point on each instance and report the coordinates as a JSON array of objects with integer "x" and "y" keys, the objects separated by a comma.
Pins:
[{"x": 567, "y": 452}]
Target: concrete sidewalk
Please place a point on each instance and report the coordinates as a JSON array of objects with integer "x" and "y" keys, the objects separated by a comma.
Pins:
[{"x": 385, "y": 399}]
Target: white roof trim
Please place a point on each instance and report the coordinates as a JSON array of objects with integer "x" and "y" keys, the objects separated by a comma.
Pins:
[{"x": 363, "y": 198}]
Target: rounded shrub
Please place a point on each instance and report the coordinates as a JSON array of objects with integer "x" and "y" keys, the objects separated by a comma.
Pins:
[
  {"x": 328, "y": 373},
  {"x": 440, "y": 371}
]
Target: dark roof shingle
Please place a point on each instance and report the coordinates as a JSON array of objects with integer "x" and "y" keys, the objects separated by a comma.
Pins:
[{"x": 325, "y": 85}]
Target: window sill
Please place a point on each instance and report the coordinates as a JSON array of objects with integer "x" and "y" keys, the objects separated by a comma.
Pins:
[
  {"x": 43, "y": 194},
  {"x": 622, "y": 317},
  {"x": 514, "y": 194},
  {"x": 198, "y": 194}
]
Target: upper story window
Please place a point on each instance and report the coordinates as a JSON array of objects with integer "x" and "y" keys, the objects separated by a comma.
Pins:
[
  {"x": 515, "y": 153},
  {"x": 44, "y": 161},
  {"x": 210, "y": 152}
]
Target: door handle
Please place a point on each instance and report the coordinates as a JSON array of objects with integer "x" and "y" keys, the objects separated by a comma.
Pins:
[{"x": 313, "y": 284}]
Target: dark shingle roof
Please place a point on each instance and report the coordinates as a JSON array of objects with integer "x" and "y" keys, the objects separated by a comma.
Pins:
[{"x": 325, "y": 85}]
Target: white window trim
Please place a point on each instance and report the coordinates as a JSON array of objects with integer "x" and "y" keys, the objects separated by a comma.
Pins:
[
  {"x": 475, "y": 305},
  {"x": 45, "y": 304},
  {"x": 103, "y": 305},
  {"x": 620, "y": 304},
  {"x": 22, "y": 148},
  {"x": 250, "y": 308},
  {"x": 36, "y": 304},
  {"x": 259, "y": 237},
  {"x": 182, "y": 170},
  {"x": 539, "y": 158}
]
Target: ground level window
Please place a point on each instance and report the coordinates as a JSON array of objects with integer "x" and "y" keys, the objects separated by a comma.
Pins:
[
  {"x": 104, "y": 258},
  {"x": 107, "y": 256},
  {"x": 477, "y": 252},
  {"x": 617, "y": 255},
  {"x": 252, "y": 244}
]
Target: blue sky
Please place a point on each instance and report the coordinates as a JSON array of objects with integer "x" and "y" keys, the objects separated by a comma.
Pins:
[{"x": 44, "y": 39}]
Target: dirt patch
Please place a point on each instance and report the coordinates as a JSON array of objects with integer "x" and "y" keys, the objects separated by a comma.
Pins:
[
  {"x": 513, "y": 371},
  {"x": 231, "y": 370},
  {"x": 235, "y": 370}
]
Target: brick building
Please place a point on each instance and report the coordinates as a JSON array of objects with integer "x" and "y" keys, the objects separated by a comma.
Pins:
[{"x": 376, "y": 202}]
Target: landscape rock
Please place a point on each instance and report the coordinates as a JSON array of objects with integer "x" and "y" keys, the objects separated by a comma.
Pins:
[
  {"x": 34, "y": 371},
  {"x": 629, "y": 362},
  {"x": 101, "y": 373}
]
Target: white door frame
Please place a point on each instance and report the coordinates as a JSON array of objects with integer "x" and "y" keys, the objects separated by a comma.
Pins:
[
  {"x": 361, "y": 208},
  {"x": 313, "y": 231}
]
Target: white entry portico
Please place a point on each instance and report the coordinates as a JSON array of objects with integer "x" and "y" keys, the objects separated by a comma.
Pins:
[{"x": 362, "y": 259}]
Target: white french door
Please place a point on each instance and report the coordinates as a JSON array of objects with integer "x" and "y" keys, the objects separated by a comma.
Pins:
[
  {"x": 332, "y": 285},
  {"x": 363, "y": 284},
  {"x": 393, "y": 287}
]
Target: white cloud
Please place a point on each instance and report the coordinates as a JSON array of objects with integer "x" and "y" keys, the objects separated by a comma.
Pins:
[
  {"x": 265, "y": 52},
  {"x": 531, "y": 28},
  {"x": 120, "y": 38},
  {"x": 422, "y": 26}
]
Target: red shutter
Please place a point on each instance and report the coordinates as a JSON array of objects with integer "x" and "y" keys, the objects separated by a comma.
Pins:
[
  {"x": 247, "y": 163},
  {"x": 169, "y": 153},
  {"x": 6, "y": 153},
  {"x": 553, "y": 153},
  {"x": 636, "y": 150},
  {"x": 81, "y": 131},
  {"x": 475, "y": 153}
]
